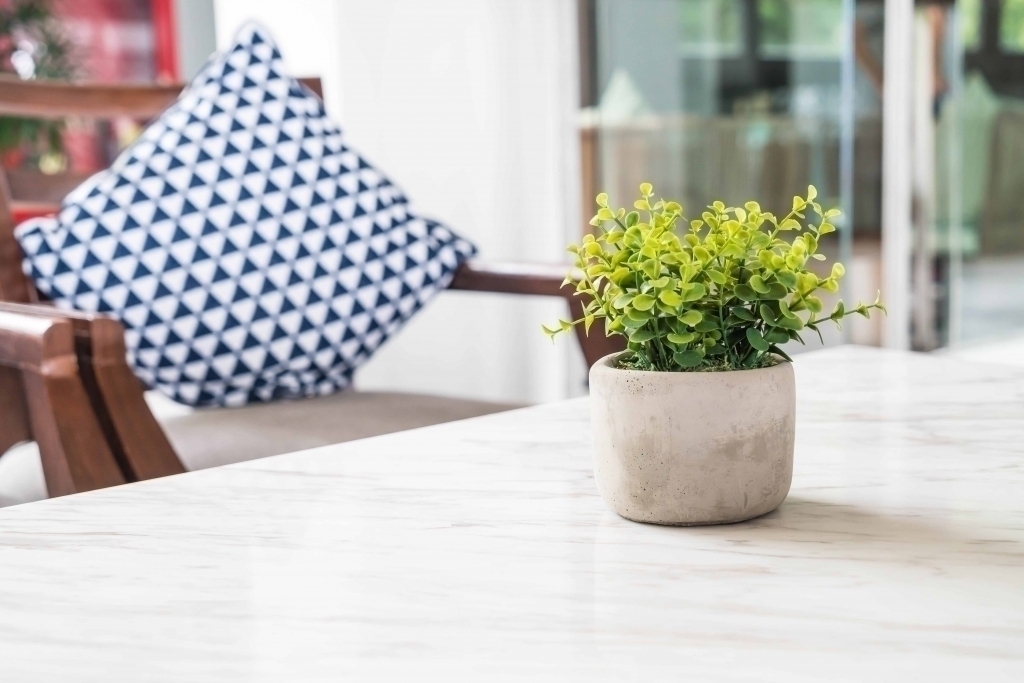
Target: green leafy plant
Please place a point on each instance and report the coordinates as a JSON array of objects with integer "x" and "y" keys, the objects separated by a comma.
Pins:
[{"x": 724, "y": 295}]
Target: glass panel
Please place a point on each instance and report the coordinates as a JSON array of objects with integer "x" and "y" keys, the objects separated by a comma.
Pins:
[
  {"x": 1011, "y": 26},
  {"x": 970, "y": 24},
  {"x": 986, "y": 144},
  {"x": 711, "y": 28},
  {"x": 807, "y": 28},
  {"x": 722, "y": 99}
]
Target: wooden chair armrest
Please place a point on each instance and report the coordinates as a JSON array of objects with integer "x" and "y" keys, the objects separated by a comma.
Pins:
[
  {"x": 537, "y": 280},
  {"x": 42, "y": 397},
  {"x": 540, "y": 279},
  {"x": 136, "y": 439}
]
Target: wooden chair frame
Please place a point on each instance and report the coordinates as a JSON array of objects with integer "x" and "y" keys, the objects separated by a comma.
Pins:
[
  {"x": 64, "y": 379},
  {"x": 43, "y": 398}
]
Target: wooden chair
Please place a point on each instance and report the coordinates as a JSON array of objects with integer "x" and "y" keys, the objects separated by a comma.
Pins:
[{"x": 88, "y": 413}]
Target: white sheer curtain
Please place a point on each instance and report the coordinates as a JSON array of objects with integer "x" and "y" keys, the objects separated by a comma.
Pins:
[{"x": 470, "y": 106}]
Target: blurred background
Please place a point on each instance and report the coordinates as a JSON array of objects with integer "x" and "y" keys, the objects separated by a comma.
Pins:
[{"x": 503, "y": 118}]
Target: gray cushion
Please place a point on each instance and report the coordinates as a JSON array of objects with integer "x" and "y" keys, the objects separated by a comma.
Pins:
[{"x": 220, "y": 436}]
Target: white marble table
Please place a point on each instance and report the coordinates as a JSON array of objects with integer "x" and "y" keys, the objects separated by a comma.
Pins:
[{"x": 480, "y": 551}]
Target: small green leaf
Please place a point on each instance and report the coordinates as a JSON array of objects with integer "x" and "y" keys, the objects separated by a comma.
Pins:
[
  {"x": 602, "y": 199},
  {"x": 787, "y": 278},
  {"x": 732, "y": 250},
  {"x": 716, "y": 350},
  {"x": 745, "y": 293},
  {"x": 641, "y": 336},
  {"x": 643, "y": 302},
  {"x": 717, "y": 276},
  {"x": 756, "y": 340},
  {"x": 685, "y": 338},
  {"x": 758, "y": 285},
  {"x": 632, "y": 218},
  {"x": 646, "y": 189},
  {"x": 670, "y": 298},
  {"x": 743, "y": 314},
  {"x": 826, "y": 228},
  {"x": 691, "y": 317},
  {"x": 767, "y": 315},
  {"x": 687, "y": 359},
  {"x": 697, "y": 291},
  {"x": 794, "y": 323},
  {"x": 635, "y": 314},
  {"x": 651, "y": 268}
]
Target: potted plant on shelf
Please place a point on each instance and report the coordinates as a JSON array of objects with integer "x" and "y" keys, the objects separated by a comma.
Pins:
[{"x": 694, "y": 422}]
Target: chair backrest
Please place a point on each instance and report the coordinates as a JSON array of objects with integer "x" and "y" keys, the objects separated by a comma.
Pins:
[
  {"x": 91, "y": 421},
  {"x": 36, "y": 192}
]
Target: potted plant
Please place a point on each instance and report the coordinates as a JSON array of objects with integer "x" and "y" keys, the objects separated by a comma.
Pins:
[{"x": 694, "y": 422}]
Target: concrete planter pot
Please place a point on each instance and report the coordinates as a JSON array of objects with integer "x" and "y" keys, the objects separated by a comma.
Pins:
[{"x": 688, "y": 448}]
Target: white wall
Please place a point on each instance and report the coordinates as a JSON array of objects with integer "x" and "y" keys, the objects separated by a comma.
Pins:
[
  {"x": 196, "y": 35},
  {"x": 470, "y": 106}
]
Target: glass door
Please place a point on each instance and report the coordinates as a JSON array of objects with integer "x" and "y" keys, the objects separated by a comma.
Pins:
[
  {"x": 984, "y": 137},
  {"x": 736, "y": 100}
]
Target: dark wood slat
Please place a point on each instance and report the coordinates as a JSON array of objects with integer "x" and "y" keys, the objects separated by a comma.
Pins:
[
  {"x": 14, "y": 286},
  {"x": 538, "y": 280},
  {"x": 58, "y": 99},
  {"x": 14, "y": 426},
  {"x": 35, "y": 190},
  {"x": 512, "y": 278}
]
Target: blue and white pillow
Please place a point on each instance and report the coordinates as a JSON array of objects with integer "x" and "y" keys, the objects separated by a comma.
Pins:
[{"x": 249, "y": 251}]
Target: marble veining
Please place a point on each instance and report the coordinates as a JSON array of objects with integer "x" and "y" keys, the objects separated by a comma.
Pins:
[{"x": 481, "y": 551}]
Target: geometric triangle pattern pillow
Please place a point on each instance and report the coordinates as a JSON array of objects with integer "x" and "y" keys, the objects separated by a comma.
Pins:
[{"x": 250, "y": 253}]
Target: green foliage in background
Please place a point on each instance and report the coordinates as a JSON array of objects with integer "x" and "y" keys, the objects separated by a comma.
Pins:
[
  {"x": 33, "y": 45},
  {"x": 722, "y": 296}
]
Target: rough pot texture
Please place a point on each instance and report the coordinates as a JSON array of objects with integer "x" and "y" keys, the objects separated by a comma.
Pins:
[{"x": 690, "y": 448}]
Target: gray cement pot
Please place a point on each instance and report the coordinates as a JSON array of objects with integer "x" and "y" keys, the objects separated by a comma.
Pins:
[{"x": 688, "y": 448}]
